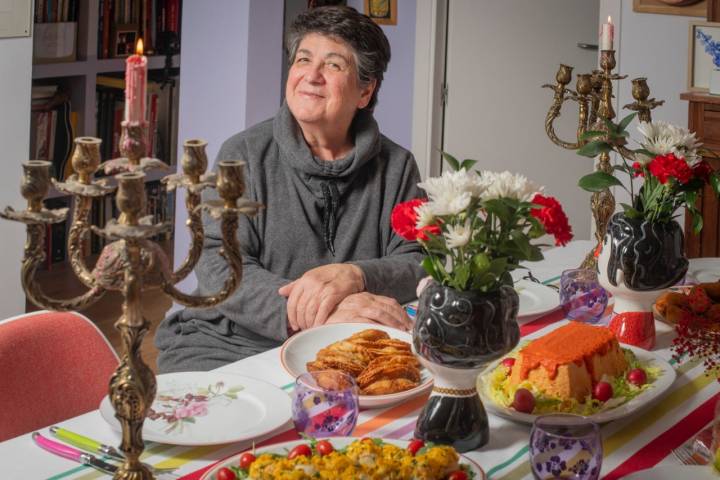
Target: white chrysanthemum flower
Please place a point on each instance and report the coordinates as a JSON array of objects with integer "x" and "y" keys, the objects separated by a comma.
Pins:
[
  {"x": 662, "y": 138},
  {"x": 425, "y": 216},
  {"x": 452, "y": 192},
  {"x": 458, "y": 235},
  {"x": 509, "y": 185},
  {"x": 449, "y": 202}
]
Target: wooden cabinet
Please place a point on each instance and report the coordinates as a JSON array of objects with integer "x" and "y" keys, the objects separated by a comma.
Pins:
[{"x": 704, "y": 119}]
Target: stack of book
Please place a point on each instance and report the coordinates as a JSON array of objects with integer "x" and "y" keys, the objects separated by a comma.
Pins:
[{"x": 52, "y": 126}]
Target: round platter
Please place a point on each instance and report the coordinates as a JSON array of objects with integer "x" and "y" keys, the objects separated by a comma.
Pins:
[
  {"x": 302, "y": 348},
  {"x": 664, "y": 381}
]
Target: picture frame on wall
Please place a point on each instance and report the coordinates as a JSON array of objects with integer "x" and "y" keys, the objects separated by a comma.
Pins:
[
  {"x": 383, "y": 12},
  {"x": 700, "y": 63},
  {"x": 690, "y": 8},
  {"x": 124, "y": 40}
]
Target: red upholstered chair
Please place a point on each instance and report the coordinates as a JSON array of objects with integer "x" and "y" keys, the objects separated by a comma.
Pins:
[{"x": 53, "y": 366}]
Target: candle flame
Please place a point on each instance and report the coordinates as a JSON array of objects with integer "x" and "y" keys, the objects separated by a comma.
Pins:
[
  {"x": 139, "y": 47},
  {"x": 609, "y": 19}
]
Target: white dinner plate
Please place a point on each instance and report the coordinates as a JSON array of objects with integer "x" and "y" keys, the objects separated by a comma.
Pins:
[
  {"x": 337, "y": 442},
  {"x": 664, "y": 381},
  {"x": 703, "y": 270},
  {"x": 674, "y": 472},
  {"x": 302, "y": 348},
  {"x": 535, "y": 298},
  {"x": 209, "y": 408}
]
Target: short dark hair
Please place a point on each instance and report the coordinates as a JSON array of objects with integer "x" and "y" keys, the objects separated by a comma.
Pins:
[{"x": 365, "y": 38}]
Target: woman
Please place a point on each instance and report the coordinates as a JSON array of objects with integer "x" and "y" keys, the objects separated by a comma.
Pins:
[{"x": 322, "y": 249}]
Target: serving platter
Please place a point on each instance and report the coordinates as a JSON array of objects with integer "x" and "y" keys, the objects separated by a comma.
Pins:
[
  {"x": 302, "y": 348},
  {"x": 664, "y": 381}
]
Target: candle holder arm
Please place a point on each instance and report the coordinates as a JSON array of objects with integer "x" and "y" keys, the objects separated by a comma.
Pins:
[{"x": 561, "y": 95}]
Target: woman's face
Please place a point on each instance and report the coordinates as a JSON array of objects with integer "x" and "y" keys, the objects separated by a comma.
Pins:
[{"x": 322, "y": 86}]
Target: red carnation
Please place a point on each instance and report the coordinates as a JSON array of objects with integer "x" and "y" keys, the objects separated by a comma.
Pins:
[
  {"x": 638, "y": 168},
  {"x": 404, "y": 221},
  {"x": 553, "y": 218},
  {"x": 664, "y": 167},
  {"x": 702, "y": 170}
]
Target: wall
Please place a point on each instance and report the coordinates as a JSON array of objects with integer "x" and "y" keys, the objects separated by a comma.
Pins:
[
  {"x": 244, "y": 38},
  {"x": 15, "y": 79},
  {"x": 395, "y": 103}
]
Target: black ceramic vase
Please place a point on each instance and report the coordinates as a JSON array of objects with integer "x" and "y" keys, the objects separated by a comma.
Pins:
[
  {"x": 456, "y": 334},
  {"x": 637, "y": 261}
]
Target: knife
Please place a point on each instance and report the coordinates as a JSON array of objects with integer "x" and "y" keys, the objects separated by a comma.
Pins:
[
  {"x": 73, "y": 454},
  {"x": 85, "y": 443}
]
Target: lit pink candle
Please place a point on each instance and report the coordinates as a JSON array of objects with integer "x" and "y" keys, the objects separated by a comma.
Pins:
[
  {"x": 607, "y": 32},
  {"x": 136, "y": 85}
]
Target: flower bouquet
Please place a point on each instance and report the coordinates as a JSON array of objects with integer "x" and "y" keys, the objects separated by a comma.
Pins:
[
  {"x": 477, "y": 227},
  {"x": 669, "y": 162}
]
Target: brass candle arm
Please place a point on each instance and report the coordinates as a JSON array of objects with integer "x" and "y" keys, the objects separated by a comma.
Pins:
[{"x": 595, "y": 97}]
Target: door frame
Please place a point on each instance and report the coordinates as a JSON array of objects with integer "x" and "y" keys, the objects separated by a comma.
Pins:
[{"x": 428, "y": 109}]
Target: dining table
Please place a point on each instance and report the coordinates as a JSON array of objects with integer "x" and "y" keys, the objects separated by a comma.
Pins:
[{"x": 639, "y": 441}]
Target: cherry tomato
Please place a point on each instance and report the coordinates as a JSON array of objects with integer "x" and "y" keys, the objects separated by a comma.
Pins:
[
  {"x": 246, "y": 459},
  {"x": 637, "y": 377},
  {"x": 225, "y": 474},
  {"x": 458, "y": 475},
  {"x": 508, "y": 363},
  {"x": 603, "y": 391},
  {"x": 415, "y": 445},
  {"x": 324, "y": 447},
  {"x": 524, "y": 401},
  {"x": 301, "y": 450}
]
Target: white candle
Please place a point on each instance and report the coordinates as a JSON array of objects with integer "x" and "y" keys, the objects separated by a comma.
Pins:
[
  {"x": 136, "y": 85},
  {"x": 607, "y": 32}
]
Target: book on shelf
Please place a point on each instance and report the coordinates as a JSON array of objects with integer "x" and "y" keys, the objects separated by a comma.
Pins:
[
  {"x": 122, "y": 22},
  {"x": 52, "y": 127},
  {"x": 56, "y": 11}
]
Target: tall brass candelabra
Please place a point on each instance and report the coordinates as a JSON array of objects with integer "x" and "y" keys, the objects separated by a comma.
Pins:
[
  {"x": 125, "y": 262},
  {"x": 594, "y": 95}
]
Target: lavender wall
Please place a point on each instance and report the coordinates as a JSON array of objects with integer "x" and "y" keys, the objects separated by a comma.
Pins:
[{"x": 395, "y": 105}]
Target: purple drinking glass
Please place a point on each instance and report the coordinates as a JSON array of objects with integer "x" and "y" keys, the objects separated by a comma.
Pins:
[
  {"x": 325, "y": 404},
  {"x": 565, "y": 446},
  {"x": 581, "y": 296}
]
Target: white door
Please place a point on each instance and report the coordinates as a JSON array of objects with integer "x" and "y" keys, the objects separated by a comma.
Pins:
[{"x": 499, "y": 53}]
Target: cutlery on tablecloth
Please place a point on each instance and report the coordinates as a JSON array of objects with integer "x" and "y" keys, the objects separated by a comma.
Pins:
[
  {"x": 86, "y": 458},
  {"x": 74, "y": 454}
]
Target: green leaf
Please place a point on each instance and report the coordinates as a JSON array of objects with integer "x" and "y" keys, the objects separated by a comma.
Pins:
[
  {"x": 467, "y": 164},
  {"x": 631, "y": 212},
  {"x": 429, "y": 267},
  {"x": 521, "y": 242},
  {"x": 598, "y": 181},
  {"x": 231, "y": 395},
  {"x": 594, "y": 148},
  {"x": 625, "y": 122},
  {"x": 697, "y": 223},
  {"x": 481, "y": 262},
  {"x": 645, "y": 152},
  {"x": 611, "y": 127},
  {"x": 715, "y": 183},
  {"x": 592, "y": 134},
  {"x": 452, "y": 161},
  {"x": 500, "y": 209},
  {"x": 461, "y": 274}
]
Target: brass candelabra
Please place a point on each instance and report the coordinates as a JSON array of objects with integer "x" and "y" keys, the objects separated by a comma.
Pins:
[
  {"x": 594, "y": 95},
  {"x": 124, "y": 263}
]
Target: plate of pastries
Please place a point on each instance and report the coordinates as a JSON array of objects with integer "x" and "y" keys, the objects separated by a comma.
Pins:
[
  {"x": 702, "y": 300},
  {"x": 379, "y": 358}
]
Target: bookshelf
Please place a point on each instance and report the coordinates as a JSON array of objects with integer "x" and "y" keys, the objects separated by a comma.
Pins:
[{"x": 83, "y": 79}]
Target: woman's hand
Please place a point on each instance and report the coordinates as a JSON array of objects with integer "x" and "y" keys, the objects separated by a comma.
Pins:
[
  {"x": 365, "y": 307},
  {"x": 312, "y": 297}
]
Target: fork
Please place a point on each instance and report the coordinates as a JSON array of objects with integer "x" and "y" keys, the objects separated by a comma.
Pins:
[{"x": 688, "y": 456}]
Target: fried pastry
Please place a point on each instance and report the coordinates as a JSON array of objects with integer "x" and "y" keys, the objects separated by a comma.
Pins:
[
  {"x": 379, "y": 364},
  {"x": 385, "y": 387}
]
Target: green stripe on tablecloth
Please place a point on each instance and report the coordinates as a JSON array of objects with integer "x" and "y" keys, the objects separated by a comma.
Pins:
[
  {"x": 68, "y": 473},
  {"x": 522, "y": 452},
  {"x": 551, "y": 280}
]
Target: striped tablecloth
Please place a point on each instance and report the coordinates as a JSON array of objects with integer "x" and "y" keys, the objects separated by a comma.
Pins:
[{"x": 635, "y": 443}]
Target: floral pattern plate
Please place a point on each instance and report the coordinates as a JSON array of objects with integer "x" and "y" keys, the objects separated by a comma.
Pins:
[
  {"x": 660, "y": 386},
  {"x": 208, "y": 408},
  {"x": 535, "y": 298},
  {"x": 703, "y": 270},
  {"x": 337, "y": 442}
]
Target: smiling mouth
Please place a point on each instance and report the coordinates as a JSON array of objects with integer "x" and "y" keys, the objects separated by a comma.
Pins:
[{"x": 311, "y": 95}]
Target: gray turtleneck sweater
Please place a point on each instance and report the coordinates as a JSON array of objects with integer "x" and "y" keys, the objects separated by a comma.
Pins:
[{"x": 316, "y": 212}]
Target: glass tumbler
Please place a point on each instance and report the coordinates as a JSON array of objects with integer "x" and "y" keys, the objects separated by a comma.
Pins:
[
  {"x": 565, "y": 446},
  {"x": 581, "y": 296},
  {"x": 325, "y": 404}
]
